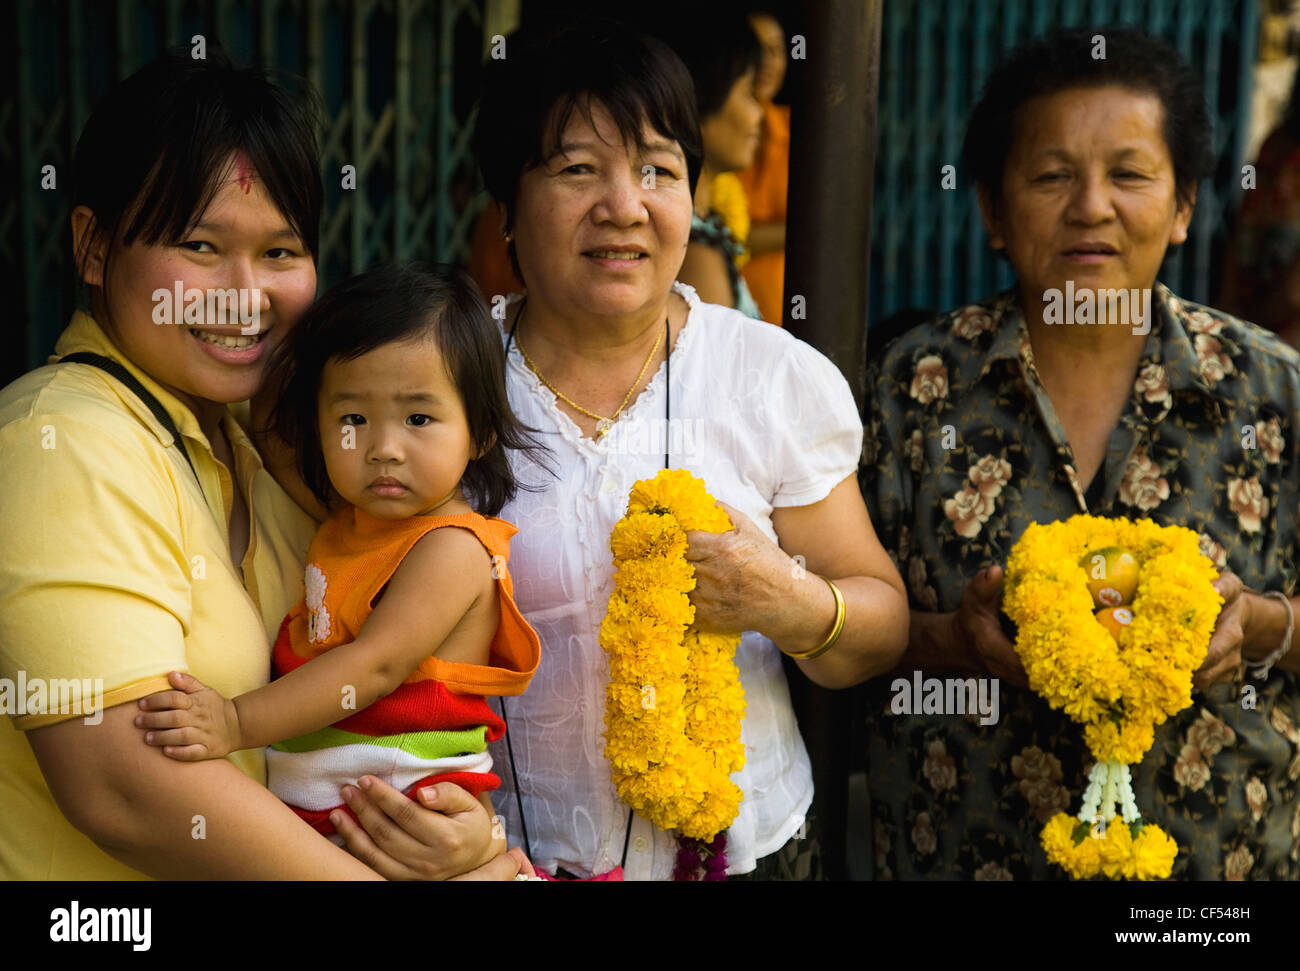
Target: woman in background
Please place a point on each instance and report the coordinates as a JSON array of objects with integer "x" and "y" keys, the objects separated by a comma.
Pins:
[
  {"x": 766, "y": 182},
  {"x": 1263, "y": 277},
  {"x": 722, "y": 54},
  {"x": 988, "y": 419}
]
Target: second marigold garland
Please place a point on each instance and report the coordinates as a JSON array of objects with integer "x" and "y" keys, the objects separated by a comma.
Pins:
[
  {"x": 1118, "y": 674},
  {"x": 674, "y": 704}
]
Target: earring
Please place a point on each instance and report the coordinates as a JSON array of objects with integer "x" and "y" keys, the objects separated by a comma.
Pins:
[{"x": 507, "y": 235}]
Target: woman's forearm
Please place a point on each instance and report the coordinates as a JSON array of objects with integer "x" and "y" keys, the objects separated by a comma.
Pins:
[
  {"x": 871, "y": 642},
  {"x": 246, "y": 833},
  {"x": 832, "y": 538},
  {"x": 178, "y": 820}
]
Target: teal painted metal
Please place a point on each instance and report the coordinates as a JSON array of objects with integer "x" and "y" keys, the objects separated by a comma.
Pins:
[
  {"x": 402, "y": 145},
  {"x": 360, "y": 119},
  {"x": 929, "y": 248},
  {"x": 393, "y": 76},
  {"x": 454, "y": 162},
  {"x": 396, "y": 79}
]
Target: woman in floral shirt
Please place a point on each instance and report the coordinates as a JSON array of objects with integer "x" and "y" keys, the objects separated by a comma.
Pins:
[{"x": 997, "y": 415}]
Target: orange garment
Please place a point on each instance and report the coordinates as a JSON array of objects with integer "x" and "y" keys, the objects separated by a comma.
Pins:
[
  {"x": 489, "y": 258},
  {"x": 351, "y": 560},
  {"x": 766, "y": 184}
]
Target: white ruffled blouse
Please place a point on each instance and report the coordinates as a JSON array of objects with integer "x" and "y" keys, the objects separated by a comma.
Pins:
[{"x": 766, "y": 421}]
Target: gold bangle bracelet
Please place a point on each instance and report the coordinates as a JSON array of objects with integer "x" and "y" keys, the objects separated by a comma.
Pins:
[{"x": 836, "y": 629}]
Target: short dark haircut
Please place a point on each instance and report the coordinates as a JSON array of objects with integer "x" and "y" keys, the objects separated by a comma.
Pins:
[
  {"x": 717, "y": 46},
  {"x": 1063, "y": 60},
  {"x": 390, "y": 304},
  {"x": 154, "y": 151},
  {"x": 529, "y": 95}
]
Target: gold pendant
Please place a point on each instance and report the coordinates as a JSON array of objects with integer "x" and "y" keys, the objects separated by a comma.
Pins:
[{"x": 602, "y": 428}]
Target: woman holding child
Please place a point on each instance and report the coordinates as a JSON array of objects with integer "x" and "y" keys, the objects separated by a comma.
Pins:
[{"x": 142, "y": 533}]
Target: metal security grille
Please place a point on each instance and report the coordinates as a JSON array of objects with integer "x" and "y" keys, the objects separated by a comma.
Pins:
[
  {"x": 398, "y": 79},
  {"x": 929, "y": 249}
]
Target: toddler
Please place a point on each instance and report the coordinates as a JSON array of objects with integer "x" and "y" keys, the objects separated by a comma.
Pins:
[{"x": 392, "y": 397}]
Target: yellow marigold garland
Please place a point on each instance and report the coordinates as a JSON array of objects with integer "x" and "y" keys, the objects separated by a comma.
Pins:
[
  {"x": 674, "y": 703},
  {"x": 1119, "y": 691}
]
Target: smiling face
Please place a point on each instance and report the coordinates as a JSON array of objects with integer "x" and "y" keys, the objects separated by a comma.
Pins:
[
  {"x": 1088, "y": 193},
  {"x": 393, "y": 431},
  {"x": 242, "y": 241},
  {"x": 595, "y": 234},
  {"x": 731, "y": 135}
]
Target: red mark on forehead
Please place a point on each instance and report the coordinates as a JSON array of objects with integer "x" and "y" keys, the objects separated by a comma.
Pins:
[{"x": 244, "y": 172}]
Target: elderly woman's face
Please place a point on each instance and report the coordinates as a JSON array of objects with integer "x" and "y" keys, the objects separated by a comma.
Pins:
[
  {"x": 601, "y": 227},
  {"x": 1088, "y": 192}
]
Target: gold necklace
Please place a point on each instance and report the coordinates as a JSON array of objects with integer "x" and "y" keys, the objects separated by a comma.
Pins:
[{"x": 603, "y": 424}]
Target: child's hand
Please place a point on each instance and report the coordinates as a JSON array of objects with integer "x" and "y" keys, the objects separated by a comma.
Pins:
[{"x": 198, "y": 722}]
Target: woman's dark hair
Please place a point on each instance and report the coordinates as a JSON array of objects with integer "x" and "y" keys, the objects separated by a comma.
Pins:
[
  {"x": 717, "y": 46},
  {"x": 156, "y": 149},
  {"x": 1065, "y": 59},
  {"x": 390, "y": 304},
  {"x": 529, "y": 95}
]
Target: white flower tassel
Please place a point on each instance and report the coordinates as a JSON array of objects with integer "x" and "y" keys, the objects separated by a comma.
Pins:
[
  {"x": 1092, "y": 795},
  {"x": 1109, "y": 783},
  {"x": 1128, "y": 800}
]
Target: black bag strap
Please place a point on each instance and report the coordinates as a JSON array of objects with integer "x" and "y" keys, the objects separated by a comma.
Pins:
[{"x": 140, "y": 391}]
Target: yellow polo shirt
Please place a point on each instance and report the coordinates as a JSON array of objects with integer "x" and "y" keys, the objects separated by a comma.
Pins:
[{"x": 115, "y": 565}]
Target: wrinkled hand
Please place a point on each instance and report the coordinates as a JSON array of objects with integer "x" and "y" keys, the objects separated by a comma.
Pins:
[
  {"x": 737, "y": 575},
  {"x": 446, "y": 833},
  {"x": 1223, "y": 656},
  {"x": 978, "y": 631},
  {"x": 192, "y": 723}
]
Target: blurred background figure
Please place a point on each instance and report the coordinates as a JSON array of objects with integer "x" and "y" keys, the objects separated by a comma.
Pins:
[
  {"x": 765, "y": 183},
  {"x": 489, "y": 257},
  {"x": 1262, "y": 277},
  {"x": 722, "y": 53}
]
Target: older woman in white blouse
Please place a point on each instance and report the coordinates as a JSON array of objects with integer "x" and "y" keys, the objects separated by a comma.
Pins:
[{"x": 588, "y": 142}]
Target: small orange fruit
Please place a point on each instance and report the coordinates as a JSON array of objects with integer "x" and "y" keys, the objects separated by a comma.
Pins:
[
  {"x": 1114, "y": 619},
  {"x": 1112, "y": 576}
]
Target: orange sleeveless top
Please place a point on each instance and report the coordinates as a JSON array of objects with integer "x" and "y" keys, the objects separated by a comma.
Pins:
[{"x": 352, "y": 559}]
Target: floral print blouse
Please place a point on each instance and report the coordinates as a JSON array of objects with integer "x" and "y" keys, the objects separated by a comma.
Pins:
[{"x": 962, "y": 451}]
